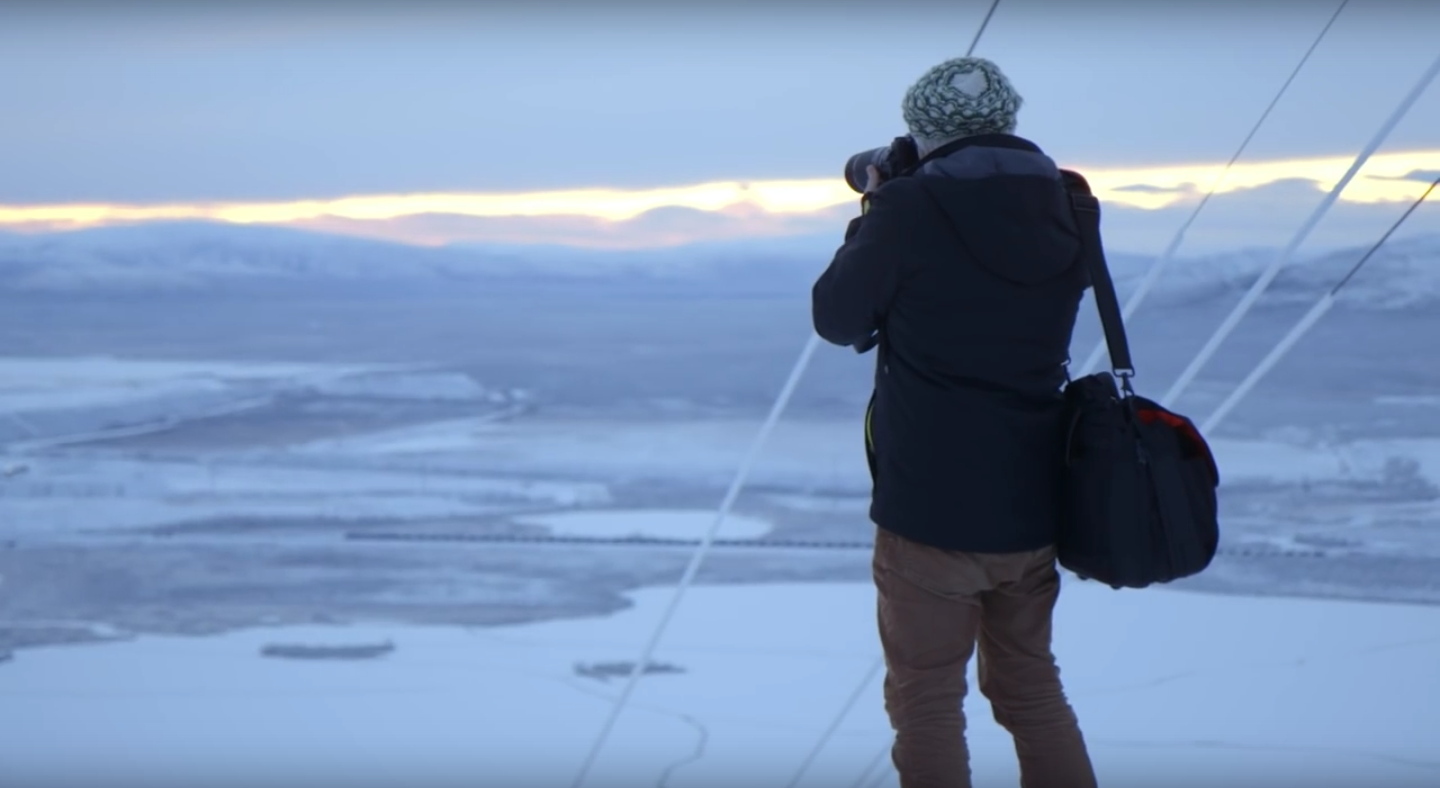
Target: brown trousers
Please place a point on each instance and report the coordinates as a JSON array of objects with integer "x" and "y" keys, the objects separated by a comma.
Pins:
[{"x": 934, "y": 607}]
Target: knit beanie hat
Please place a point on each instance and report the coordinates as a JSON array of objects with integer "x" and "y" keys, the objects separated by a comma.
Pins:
[{"x": 960, "y": 98}]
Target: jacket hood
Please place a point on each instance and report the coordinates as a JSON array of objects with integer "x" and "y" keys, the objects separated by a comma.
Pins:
[{"x": 1008, "y": 205}]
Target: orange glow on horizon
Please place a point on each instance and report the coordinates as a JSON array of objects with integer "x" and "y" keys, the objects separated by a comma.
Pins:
[{"x": 1156, "y": 187}]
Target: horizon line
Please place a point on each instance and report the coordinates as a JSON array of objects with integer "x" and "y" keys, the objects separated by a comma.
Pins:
[{"x": 755, "y": 206}]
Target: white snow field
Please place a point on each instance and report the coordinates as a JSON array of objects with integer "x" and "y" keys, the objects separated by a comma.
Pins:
[
  {"x": 50, "y": 402},
  {"x": 800, "y": 451},
  {"x": 58, "y": 400},
  {"x": 656, "y": 523},
  {"x": 479, "y": 467},
  {"x": 1173, "y": 688},
  {"x": 58, "y": 496}
]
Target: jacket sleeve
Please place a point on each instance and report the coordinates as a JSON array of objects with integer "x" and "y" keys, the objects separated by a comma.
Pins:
[{"x": 849, "y": 301}]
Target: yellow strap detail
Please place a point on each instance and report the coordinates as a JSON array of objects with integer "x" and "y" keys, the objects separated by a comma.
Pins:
[{"x": 869, "y": 436}]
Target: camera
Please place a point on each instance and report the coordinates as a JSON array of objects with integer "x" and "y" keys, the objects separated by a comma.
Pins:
[
  {"x": 900, "y": 156},
  {"x": 891, "y": 160}
]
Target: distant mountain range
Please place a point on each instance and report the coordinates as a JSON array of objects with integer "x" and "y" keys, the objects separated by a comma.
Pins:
[{"x": 198, "y": 257}]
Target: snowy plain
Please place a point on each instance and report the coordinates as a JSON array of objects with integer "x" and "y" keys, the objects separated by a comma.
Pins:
[
  {"x": 1208, "y": 690},
  {"x": 186, "y": 480}
]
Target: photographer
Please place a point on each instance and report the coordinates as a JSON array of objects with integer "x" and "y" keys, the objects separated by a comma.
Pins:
[{"x": 965, "y": 266}]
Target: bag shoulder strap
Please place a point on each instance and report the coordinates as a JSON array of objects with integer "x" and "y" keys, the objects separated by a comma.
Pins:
[{"x": 1086, "y": 209}]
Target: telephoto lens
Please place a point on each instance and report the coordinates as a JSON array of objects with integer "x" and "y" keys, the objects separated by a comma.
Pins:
[
  {"x": 855, "y": 168},
  {"x": 897, "y": 158}
]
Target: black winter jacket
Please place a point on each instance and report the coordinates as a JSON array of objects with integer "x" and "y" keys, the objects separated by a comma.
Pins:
[{"x": 970, "y": 269}]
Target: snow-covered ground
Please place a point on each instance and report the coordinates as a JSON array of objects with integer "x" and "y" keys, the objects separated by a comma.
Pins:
[
  {"x": 800, "y": 451},
  {"x": 35, "y": 384},
  {"x": 615, "y": 402},
  {"x": 660, "y": 523},
  {"x": 55, "y": 401},
  {"x": 469, "y": 468},
  {"x": 1172, "y": 689},
  {"x": 481, "y": 464},
  {"x": 1170, "y": 685},
  {"x": 1389, "y": 510}
]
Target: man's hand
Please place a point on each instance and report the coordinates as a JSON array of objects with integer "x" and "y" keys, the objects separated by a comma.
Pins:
[{"x": 872, "y": 178}]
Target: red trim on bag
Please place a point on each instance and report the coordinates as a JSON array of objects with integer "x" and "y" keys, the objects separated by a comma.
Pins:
[
  {"x": 1149, "y": 415},
  {"x": 1186, "y": 428}
]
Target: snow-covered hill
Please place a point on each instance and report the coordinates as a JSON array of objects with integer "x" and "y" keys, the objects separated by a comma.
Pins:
[
  {"x": 196, "y": 257},
  {"x": 1404, "y": 272}
]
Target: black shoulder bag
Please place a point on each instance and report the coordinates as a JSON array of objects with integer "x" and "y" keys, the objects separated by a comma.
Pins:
[{"x": 1140, "y": 480}]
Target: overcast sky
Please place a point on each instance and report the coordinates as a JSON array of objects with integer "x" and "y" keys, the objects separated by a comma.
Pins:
[{"x": 130, "y": 102}]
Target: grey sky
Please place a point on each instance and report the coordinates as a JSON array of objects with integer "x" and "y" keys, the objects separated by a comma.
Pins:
[{"x": 149, "y": 103}]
